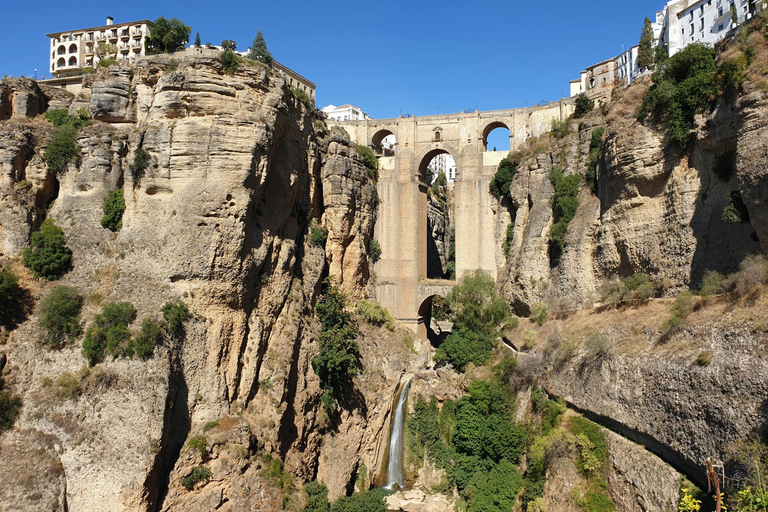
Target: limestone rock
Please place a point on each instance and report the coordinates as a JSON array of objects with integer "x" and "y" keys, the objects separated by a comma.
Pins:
[{"x": 20, "y": 98}]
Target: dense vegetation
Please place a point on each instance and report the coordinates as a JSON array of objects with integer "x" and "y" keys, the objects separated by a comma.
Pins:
[
  {"x": 11, "y": 295},
  {"x": 109, "y": 332},
  {"x": 369, "y": 160},
  {"x": 564, "y": 206},
  {"x": 366, "y": 501},
  {"x": 374, "y": 251},
  {"x": 114, "y": 206},
  {"x": 595, "y": 148},
  {"x": 49, "y": 257},
  {"x": 583, "y": 105},
  {"x": 337, "y": 362},
  {"x": 62, "y": 148},
  {"x": 167, "y": 36},
  {"x": 478, "y": 312},
  {"x": 230, "y": 61},
  {"x": 61, "y": 315},
  {"x": 375, "y": 314},
  {"x": 502, "y": 180},
  {"x": 683, "y": 85}
]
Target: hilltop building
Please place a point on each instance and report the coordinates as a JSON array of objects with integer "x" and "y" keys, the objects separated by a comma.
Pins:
[
  {"x": 345, "y": 113},
  {"x": 678, "y": 24},
  {"x": 72, "y": 51}
]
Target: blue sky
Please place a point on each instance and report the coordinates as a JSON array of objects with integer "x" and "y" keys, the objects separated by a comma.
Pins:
[{"x": 412, "y": 57}]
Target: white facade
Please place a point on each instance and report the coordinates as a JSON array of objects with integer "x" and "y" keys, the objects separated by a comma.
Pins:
[
  {"x": 73, "y": 50},
  {"x": 626, "y": 66},
  {"x": 685, "y": 22},
  {"x": 444, "y": 163},
  {"x": 345, "y": 113}
]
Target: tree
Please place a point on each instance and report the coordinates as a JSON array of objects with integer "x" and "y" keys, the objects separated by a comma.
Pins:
[
  {"x": 584, "y": 105},
  {"x": 645, "y": 56},
  {"x": 198, "y": 43},
  {"x": 61, "y": 315},
  {"x": 259, "y": 50},
  {"x": 229, "y": 44},
  {"x": 106, "y": 51},
  {"x": 48, "y": 257},
  {"x": 167, "y": 36}
]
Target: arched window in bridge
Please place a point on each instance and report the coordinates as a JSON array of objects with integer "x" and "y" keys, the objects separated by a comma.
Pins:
[{"x": 437, "y": 136}]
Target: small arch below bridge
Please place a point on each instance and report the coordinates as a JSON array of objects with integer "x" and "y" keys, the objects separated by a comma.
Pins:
[{"x": 429, "y": 290}]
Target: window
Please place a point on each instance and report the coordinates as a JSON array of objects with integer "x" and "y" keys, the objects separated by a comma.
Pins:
[
  {"x": 437, "y": 136},
  {"x": 691, "y": 28},
  {"x": 701, "y": 25},
  {"x": 720, "y": 28}
]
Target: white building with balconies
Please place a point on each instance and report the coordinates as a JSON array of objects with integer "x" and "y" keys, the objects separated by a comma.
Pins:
[{"x": 72, "y": 51}]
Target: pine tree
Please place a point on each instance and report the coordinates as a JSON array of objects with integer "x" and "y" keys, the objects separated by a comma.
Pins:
[
  {"x": 259, "y": 50},
  {"x": 645, "y": 52},
  {"x": 198, "y": 43}
]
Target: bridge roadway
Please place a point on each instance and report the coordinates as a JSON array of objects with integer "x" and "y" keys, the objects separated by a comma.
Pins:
[{"x": 401, "y": 228}]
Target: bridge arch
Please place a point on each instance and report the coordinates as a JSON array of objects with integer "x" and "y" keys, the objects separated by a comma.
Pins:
[
  {"x": 383, "y": 142},
  {"x": 427, "y": 157},
  {"x": 491, "y": 127}
]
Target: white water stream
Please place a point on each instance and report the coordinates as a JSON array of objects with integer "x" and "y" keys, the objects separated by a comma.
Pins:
[{"x": 395, "y": 465}]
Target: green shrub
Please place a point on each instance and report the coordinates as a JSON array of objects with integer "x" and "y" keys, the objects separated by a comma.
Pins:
[
  {"x": 114, "y": 206},
  {"x": 683, "y": 85},
  {"x": 638, "y": 286},
  {"x": 735, "y": 212},
  {"x": 366, "y": 501},
  {"x": 502, "y": 180},
  {"x": 595, "y": 149},
  {"x": 9, "y": 409},
  {"x": 529, "y": 339},
  {"x": 62, "y": 148},
  {"x": 167, "y": 36},
  {"x": 199, "y": 444},
  {"x": 147, "y": 339},
  {"x": 583, "y": 105},
  {"x": 10, "y": 297},
  {"x": 175, "y": 314},
  {"x": 140, "y": 164},
  {"x": 713, "y": 283},
  {"x": 109, "y": 332},
  {"x": 337, "y": 362},
  {"x": 539, "y": 313},
  {"x": 476, "y": 305},
  {"x": 495, "y": 490},
  {"x": 369, "y": 159},
  {"x": 753, "y": 272},
  {"x": 374, "y": 251},
  {"x": 61, "y": 315},
  {"x": 463, "y": 347},
  {"x": 559, "y": 128},
  {"x": 304, "y": 98},
  {"x": 679, "y": 312},
  {"x": 317, "y": 236},
  {"x": 508, "y": 239},
  {"x": 564, "y": 206},
  {"x": 375, "y": 314},
  {"x": 230, "y": 61},
  {"x": 48, "y": 257},
  {"x": 198, "y": 474},
  {"x": 317, "y": 497},
  {"x": 593, "y": 450},
  {"x": 210, "y": 426}
]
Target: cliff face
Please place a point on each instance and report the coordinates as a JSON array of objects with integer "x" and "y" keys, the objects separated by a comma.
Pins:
[
  {"x": 657, "y": 209},
  {"x": 220, "y": 219}
]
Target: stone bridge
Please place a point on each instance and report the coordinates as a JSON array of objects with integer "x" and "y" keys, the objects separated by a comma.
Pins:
[{"x": 401, "y": 273}]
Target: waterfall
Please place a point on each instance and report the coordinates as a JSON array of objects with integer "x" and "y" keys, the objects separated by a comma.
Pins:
[{"x": 395, "y": 465}]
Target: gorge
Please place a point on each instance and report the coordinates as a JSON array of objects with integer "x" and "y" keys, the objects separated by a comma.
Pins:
[{"x": 245, "y": 238}]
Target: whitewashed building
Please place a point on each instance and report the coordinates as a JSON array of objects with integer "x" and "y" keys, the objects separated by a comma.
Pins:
[
  {"x": 444, "y": 163},
  {"x": 73, "y": 50},
  {"x": 345, "y": 113},
  {"x": 685, "y": 22},
  {"x": 626, "y": 65}
]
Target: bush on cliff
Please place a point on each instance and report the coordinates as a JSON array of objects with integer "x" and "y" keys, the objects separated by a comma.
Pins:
[
  {"x": 338, "y": 359},
  {"x": 61, "y": 315},
  {"x": 499, "y": 186},
  {"x": 366, "y": 501},
  {"x": 109, "y": 332},
  {"x": 62, "y": 148},
  {"x": 49, "y": 257},
  {"x": 683, "y": 85},
  {"x": 11, "y": 295},
  {"x": 564, "y": 206},
  {"x": 167, "y": 36},
  {"x": 114, "y": 206}
]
